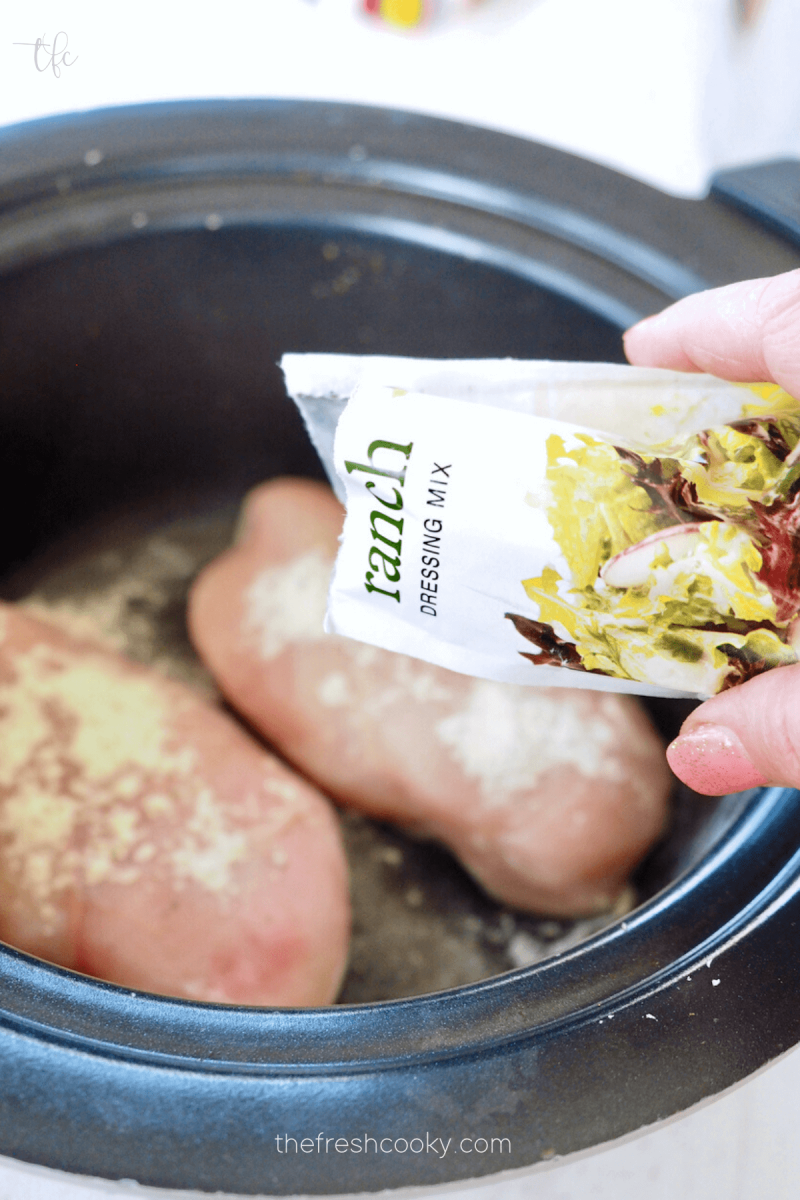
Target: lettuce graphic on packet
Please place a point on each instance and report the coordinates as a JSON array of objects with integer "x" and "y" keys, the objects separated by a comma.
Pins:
[{"x": 685, "y": 564}]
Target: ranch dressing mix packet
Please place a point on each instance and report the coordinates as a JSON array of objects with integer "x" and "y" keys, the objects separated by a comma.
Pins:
[{"x": 585, "y": 525}]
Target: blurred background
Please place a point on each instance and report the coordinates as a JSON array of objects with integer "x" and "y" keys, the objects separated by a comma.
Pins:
[{"x": 666, "y": 90}]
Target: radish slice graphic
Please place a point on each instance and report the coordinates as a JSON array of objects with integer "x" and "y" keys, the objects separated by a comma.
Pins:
[{"x": 632, "y": 567}]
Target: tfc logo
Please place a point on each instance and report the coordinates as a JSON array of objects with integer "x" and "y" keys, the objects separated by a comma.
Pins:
[{"x": 54, "y": 56}]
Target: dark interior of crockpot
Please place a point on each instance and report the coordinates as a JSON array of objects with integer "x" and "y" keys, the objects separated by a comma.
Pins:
[{"x": 142, "y": 399}]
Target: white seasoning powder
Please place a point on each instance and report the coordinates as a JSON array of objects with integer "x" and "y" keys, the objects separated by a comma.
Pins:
[
  {"x": 334, "y": 690},
  {"x": 524, "y": 950},
  {"x": 208, "y": 848},
  {"x": 286, "y": 604},
  {"x": 507, "y": 737},
  {"x": 407, "y": 681},
  {"x": 87, "y": 761}
]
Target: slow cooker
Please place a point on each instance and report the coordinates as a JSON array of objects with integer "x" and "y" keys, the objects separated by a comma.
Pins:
[{"x": 155, "y": 262}]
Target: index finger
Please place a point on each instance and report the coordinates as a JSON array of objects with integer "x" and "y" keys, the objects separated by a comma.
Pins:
[{"x": 746, "y": 332}]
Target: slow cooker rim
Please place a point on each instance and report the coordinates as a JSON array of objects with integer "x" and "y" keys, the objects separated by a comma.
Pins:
[
  {"x": 628, "y": 252},
  {"x": 318, "y": 1030}
]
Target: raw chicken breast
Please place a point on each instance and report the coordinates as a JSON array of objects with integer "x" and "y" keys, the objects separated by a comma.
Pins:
[
  {"x": 547, "y": 796},
  {"x": 148, "y": 840}
]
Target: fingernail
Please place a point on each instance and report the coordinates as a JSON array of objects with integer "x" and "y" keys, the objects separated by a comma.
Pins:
[
  {"x": 712, "y": 761},
  {"x": 639, "y": 324}
]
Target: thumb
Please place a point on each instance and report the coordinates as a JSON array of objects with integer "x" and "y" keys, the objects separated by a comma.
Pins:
[
  {"x": 747, "y": 332},
  {"x": 746, "y": 737}
]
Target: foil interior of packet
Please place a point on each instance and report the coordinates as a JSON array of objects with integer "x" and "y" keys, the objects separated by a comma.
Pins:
[{"x": 585, "y": 525}]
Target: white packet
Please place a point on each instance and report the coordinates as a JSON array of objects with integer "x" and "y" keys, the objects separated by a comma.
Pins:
[{"x": 608, "y": 519}]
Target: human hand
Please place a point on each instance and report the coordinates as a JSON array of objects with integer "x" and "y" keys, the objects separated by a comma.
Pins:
[{"x": 747, "y": 332}]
